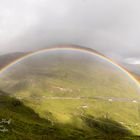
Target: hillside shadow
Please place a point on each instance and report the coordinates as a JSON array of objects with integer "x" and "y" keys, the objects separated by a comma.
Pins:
[
  {"x": 27, "y": 125},
  {"x": 109, "y": 129}
]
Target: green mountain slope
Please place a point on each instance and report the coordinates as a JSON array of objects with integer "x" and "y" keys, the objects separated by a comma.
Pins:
[
  {"x": 25, "y": 124},
  {"x": 79, "y": 96}
]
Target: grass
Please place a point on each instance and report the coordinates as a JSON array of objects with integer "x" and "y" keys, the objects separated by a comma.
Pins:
[
  {"x": 64, "y": 117},
  {"x": 27, "y": 125}
]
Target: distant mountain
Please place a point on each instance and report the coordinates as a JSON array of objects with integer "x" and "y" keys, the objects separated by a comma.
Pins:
[
  {"x": 10, "y": 57},
  {"x": 134, "y": 69},
  {"x": 137, "y": 76}
]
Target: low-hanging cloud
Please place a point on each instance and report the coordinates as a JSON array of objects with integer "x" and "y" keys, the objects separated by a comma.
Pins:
[{"x": 132, "y": 61}]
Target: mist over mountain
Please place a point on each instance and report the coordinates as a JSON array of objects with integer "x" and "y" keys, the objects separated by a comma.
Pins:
[{"x": 5, "y": 59}]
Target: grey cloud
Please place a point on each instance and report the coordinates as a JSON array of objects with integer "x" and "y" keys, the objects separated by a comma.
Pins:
[
  {"x": 109, "y": 26},
  {"x": 132, "y": 61}
]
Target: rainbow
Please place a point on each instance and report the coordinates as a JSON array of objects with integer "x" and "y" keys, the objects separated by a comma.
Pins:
[{"x": 76, "y": 48}]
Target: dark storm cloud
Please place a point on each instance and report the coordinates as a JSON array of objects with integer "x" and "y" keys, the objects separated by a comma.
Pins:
[{"x": 109, "y": 26}]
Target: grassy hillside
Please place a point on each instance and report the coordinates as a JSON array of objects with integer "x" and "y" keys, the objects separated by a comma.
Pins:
[
  {"x": 79, "y": 96},
  {"x": 27, "y": 125}
]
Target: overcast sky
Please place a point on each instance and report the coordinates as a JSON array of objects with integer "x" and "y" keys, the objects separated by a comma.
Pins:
[{"x": 111, "y": 27}]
